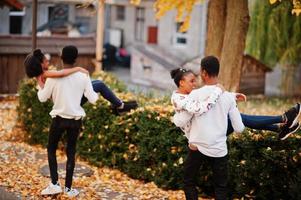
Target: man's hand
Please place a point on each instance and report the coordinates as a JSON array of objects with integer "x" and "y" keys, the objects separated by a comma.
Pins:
[
  {"x": 241, "y": 97},
  {"x": 40, "y": 81}
]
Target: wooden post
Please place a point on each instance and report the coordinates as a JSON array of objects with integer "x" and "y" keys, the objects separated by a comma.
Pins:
[
  {"x": 34, "y": 24},
  {"x": 99, "y": 35}
]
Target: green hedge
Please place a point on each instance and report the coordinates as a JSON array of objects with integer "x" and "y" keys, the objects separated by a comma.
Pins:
[{"x": 146, "y": 145}]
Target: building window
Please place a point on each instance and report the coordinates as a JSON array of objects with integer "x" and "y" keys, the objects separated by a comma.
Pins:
[
  {"x": 178, "y": 26},
  {"x": 120, "y": 13},
  {"x": 15, "y": 21},
  {"x": 50, "y": 12},
  {"x": 139, "y": 26},
  {"x": 180, "y": 39},
  {"x": 58, "y": 12}
]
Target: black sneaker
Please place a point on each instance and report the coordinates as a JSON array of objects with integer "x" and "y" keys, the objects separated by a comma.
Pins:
[
  {"x": 127, "y": 106},
  {"x": 292, "y": 115},
  {"x": 286, "y": 131}
]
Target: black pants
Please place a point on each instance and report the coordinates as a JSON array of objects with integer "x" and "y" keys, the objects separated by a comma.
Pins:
[
  {"x": 219, "y": 167},
  {"x": 58, "y": 127}
]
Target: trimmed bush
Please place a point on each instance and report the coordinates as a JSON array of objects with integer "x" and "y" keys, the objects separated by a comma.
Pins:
[{"x": 146, "y": 145}]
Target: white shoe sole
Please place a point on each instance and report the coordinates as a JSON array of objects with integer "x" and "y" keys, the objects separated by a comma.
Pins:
[
  {"x": 51, "y": 193},
  {"x": 73, "y": 195},
  {"x": 296, "y": 118},
  {"x": 290, "y": 133}
]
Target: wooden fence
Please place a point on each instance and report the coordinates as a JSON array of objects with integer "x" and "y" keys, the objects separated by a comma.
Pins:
[{"x": 13, "y": 50}]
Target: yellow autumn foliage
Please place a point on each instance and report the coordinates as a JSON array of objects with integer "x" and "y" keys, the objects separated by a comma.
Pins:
[
  {"x": 184, "y": 9},
  {"x": 135, "y": 2},
  {"x": 296, "y": 6},
  {"x": 273, "y": 1}
]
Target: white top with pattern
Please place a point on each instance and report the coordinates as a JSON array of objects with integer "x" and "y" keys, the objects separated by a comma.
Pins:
[{"x": 184, "y": 105}]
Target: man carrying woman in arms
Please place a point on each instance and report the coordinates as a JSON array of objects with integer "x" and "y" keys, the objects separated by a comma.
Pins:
[
  {"x": 67, "y": 89},
  {"x": 207, "y": 115}
]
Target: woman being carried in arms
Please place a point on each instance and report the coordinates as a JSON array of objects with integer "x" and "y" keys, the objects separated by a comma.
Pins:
[
  {"x": 184, "y": 107},
  {"x": 36, "y": 65}
]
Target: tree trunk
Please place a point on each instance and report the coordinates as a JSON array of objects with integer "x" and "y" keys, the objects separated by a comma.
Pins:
[
  {"x": 216, "y": 22},
  {"x": 237, "y": 22}
]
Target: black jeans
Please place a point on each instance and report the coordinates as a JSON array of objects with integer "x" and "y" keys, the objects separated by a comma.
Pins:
[
  {"x": 58, "y": 127},
  {"x": 219, "y": 167}
]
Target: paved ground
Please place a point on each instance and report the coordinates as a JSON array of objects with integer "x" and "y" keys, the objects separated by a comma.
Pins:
[{"x": 5, "y": 195}]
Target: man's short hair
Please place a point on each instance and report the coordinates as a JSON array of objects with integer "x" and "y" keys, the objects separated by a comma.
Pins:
[
  {"x": 69, "y": 54},
  {"x": 33, "y": 67},
  {"x": 211, "y": 65}
]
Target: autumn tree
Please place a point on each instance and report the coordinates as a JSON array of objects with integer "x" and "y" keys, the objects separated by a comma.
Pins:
[{"x": 227, "y": 27}]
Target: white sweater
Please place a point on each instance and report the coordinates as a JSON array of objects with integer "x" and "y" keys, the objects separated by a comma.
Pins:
[
  {"x": 184, "y": 106},
  {"x": 66, "y": 94},
  {"x": 208, "y": 131}
]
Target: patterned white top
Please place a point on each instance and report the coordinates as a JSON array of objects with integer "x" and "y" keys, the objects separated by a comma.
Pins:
[{"x": 184, "y": 106}]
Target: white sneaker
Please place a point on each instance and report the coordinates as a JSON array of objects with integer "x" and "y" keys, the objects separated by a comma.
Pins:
[
  {"x": 52, "y": 189},
  {"x": 71, "y": 192}
]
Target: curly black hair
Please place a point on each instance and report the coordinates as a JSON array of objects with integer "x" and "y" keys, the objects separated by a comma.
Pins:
[
  {"x": 178, "y": 74},
  {"x": 32, "y": 63}
]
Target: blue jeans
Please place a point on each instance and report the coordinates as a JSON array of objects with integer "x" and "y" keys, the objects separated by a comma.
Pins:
[
  {"x": 100, "y": 87},
  {"x": 258, "y": 122}
]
